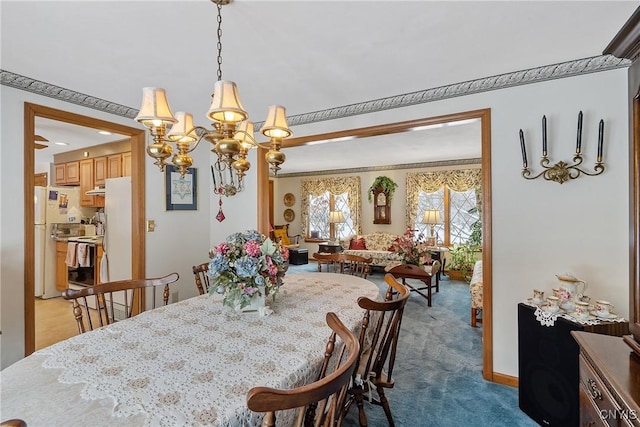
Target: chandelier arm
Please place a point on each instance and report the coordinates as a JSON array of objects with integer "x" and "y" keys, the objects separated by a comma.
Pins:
[{"x": 252, "y": 140}]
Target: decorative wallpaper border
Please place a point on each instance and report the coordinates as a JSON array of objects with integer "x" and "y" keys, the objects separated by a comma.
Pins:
[{"x": 501, "y": 81}]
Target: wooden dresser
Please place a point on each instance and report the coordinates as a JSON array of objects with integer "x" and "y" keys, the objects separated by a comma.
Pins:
[{"x": 609, "y": 381}]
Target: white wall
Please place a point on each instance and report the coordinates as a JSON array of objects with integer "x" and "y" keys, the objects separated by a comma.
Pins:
[
  {"x": 180, "y": 241},
  {"x": 542, "y": 228}
]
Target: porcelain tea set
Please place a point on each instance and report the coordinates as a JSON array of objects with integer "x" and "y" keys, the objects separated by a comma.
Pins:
[{"x": 569, "y": 298}]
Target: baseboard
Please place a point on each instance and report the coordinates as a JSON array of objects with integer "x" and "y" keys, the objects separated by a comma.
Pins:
[{"x": 505, "y": 380}]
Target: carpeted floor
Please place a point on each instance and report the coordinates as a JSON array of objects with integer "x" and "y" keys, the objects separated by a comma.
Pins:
[{"x": 438, "y": 371}]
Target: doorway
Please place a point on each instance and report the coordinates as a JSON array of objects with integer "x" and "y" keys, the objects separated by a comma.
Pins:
[
  {"x": 484, "y": 115},
  {"x": 137, "y": 136}
]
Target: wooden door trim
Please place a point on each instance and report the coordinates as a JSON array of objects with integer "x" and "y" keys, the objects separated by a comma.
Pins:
[
  {"x": 138, "y": 260},
  {"x": 487, "y": 253}
]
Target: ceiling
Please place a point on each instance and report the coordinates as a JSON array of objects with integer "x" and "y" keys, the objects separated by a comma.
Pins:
[{"x": 306, "y": 55}]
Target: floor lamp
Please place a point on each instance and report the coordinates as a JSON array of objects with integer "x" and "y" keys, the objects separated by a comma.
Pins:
[
  {"x": 335, "y": 217},
  {"x": 432, "y": 217}
]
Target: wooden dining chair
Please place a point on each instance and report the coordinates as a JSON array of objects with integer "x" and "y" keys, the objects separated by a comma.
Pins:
[
  {"x": 378, "y": 343},
  {"x": 113, "y": 300},
  {"x": 319, "y": 403},
  {"x": 330, "y": 260},
  {"x": 354, "y": 265},
  {"x": 13, "y": 423},
  {"x": 201, "y": 275}
]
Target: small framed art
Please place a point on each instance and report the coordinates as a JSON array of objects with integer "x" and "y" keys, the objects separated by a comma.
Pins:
[{"x": 181, "y": 192}]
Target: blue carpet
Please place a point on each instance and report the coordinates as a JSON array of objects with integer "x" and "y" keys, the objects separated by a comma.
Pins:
[{"x": 438, "y": 371}]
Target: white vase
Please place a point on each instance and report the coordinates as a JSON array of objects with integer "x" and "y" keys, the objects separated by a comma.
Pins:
[{"x": 256, "y": 305}]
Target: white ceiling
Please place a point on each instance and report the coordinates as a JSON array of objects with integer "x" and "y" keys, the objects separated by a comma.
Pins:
[{"x": 306, "y": 55}]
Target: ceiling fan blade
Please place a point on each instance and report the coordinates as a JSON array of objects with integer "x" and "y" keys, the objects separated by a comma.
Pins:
[
  {"x": 40, "y": 138},
  {"x": 39, "y": 146}
]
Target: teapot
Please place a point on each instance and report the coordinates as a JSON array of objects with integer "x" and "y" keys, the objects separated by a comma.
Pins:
[{"x": 569, "y": 292}]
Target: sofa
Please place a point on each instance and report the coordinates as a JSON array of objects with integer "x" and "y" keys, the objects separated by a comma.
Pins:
[
  {"x": 375, "y": 246},
  {"x": 475, "y": 288}
]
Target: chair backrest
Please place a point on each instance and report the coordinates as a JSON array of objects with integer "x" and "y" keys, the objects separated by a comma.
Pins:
[
  {"x": 328, "y": 259},
  {"x": 354, "y": 265},
  {"x": 281, "y": 236},
  {"x": 319, "y": 403},
  {"x": 379, "y": 341},
  {"x": 113, "y": 300},
  {"x": 15, "y": 422},
  {"x": 201, "y": 275}
]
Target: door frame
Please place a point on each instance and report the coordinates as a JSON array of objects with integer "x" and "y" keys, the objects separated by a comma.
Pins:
[
  {"x": 138, "y": 260},
  {"x": 487, "y": 253}
]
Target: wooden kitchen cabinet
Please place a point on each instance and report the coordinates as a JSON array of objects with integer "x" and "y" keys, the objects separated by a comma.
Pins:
[
  {"x": 61, "y": 266},
  {"x": 67, "y": 173},
  {"x": 99, "y": 170},
  {"x": 126, "y": 163},
  {"x": 114, "y": 166},
  {"x": 87, "y": 182},
  {"x": 98, "y": 258}
]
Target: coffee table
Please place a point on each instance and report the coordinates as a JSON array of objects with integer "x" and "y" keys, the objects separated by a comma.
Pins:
[{"x": 410, "y": 271}]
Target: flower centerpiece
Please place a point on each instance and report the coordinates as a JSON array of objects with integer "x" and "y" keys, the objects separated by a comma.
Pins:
[
  {"x": 412, "y": 248},
  {"x": 245, "y": 266}
]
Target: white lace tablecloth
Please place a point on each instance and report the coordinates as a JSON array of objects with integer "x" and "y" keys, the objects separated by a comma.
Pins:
[
  {"x": 547, "y": 318},
  {"x": 186, "y": 364}
]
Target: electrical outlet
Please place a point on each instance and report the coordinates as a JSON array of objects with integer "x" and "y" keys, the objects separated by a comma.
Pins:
[
  {"x": 151, "y": 225},
  {"x": 174, "y": 297}
]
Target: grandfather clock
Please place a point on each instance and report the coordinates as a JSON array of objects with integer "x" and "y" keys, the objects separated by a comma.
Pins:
[{"x": 382, "y": 209}]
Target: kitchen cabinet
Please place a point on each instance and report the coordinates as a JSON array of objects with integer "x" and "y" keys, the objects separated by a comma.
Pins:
[
  {"x": 98, "y": 258},
  {"x": 87, "y": 182},
  {"x": 61, "y": 266},
  {"x": 67, "y": 173},
  {"x": 126, "y": 163},
  {"x": 99, "y": 170},
  {"x": 114, "y": 166}
]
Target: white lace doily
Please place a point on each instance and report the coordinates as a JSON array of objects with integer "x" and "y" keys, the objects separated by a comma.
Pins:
[{"x": 547, "y": 318}]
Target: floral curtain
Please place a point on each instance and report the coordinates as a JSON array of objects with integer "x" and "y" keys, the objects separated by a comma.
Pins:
[
  {"x": 430, "y": 182},
  {"x": 335, "y": 186}
]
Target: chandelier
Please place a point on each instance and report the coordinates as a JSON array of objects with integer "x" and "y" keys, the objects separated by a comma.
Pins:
[{"x": 231, "y": 134}]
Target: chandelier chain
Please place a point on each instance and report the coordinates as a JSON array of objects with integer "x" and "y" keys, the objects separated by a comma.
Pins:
[{"x": 219, "y": 45}]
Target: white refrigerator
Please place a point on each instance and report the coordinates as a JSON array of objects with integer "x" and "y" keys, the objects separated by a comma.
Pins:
[
  {"x": 117, "y": 234},
  {"x": 52, "y": 205}
]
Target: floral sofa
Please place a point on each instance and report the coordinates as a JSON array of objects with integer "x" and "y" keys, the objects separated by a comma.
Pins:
[
  {"x": 376, "y": 247},
  {"x": 475, "y": 288}
]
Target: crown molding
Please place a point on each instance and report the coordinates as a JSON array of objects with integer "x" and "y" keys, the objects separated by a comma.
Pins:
[
  {"x": 626, "y": 44},
  {"x": 445, "y": 163},
  {"x": 501, "y": 81}
]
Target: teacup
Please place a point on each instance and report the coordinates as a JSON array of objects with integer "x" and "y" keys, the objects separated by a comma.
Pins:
[
  {"x": 603, "y": 308},
  {"x": 538, "y": 296},
  {"x": 582, "y": 310},
  {"x": 556, "y": 292},
  {"x": 553, "y": 304}
]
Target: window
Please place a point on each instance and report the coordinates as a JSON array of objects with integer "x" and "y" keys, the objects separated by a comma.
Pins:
[
  {"x": 458, "y": 210},
  {"x": 319, "y": 208},
  {"x": 456, "y": 194},
  {"x": 320, "y": 197}
]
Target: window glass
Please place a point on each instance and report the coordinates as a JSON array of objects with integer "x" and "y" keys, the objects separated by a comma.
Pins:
[{"x": 319, "y": 208}]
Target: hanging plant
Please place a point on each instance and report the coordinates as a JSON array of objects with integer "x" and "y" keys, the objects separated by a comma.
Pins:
[{"x": 387, "y": 185}]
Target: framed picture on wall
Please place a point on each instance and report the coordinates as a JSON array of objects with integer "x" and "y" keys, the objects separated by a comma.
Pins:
[{"x": 181, "y": 192}]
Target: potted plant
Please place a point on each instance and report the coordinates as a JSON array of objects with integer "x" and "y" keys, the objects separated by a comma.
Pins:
[
  {"x": 386, "y": 184},
  {"x": 462, "y": 259}
]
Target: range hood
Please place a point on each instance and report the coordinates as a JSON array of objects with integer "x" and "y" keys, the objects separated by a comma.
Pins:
[{"x": 98, "y": 191}]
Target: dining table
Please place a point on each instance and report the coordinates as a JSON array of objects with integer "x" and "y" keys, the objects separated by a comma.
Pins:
[{"x": 189, "y": 363}]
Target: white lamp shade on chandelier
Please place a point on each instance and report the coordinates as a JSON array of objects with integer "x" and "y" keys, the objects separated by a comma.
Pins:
[
  {"x": 226, "y": 106},
  {"x": 155, "y": 109}
]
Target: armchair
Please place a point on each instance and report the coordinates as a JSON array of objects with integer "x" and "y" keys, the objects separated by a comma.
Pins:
[{"x": 281, "y": 234}]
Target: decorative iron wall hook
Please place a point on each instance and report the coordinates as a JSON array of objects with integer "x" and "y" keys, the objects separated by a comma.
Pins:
[{"x": 562, "y": 171}]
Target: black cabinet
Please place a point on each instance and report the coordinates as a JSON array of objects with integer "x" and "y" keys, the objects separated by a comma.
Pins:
[{"x": 548, "y": 366}]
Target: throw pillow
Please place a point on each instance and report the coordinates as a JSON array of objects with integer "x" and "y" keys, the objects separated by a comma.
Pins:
[
  {"x": 281, "y": 235},
  {"x": 358, "y": 244}
]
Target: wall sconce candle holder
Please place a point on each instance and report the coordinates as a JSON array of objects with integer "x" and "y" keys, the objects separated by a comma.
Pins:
[{"x": 562, "y": 171}]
